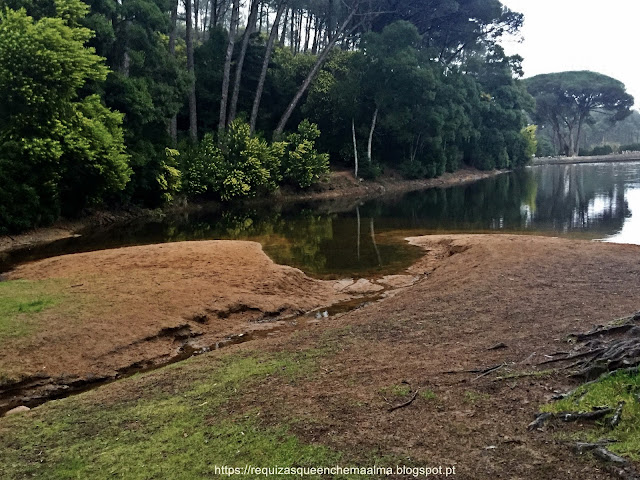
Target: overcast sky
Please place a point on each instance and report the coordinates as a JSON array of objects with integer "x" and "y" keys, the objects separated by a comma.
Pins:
[{"x": 597, "y": 35}]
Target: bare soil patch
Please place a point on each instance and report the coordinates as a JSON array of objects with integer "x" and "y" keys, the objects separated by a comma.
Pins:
[
  {"x": 141, "y": 306},
  {"x": 526, "y": 292}
]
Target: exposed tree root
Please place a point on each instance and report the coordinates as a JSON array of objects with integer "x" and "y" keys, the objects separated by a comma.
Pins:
[{"x": 606, "y": 348}]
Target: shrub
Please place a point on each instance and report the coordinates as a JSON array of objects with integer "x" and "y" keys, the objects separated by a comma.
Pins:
[
  {"x": 602, "y": 150},
  {"x": 302, "y": 165},
  {"x": 239, "y": 165}
]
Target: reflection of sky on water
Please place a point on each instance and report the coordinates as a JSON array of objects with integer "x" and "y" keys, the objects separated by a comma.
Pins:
[{"x": 630, "y": 232}]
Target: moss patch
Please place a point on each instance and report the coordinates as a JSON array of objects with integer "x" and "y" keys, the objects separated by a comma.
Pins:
[{"x": 608, "y": 391}]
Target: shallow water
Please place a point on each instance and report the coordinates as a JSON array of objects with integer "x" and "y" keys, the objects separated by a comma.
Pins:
[{"x": 590, "y": 201}]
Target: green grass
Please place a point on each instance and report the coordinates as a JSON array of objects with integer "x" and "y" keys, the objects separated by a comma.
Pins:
[
  {"x": 608, "y": 391},
  {"x": 401, "y": 390},
  {"x": 21, "y": 301},
  {"x": 428, "y": 394},
  {"x": 475, "y": 397},
  {"x": 178, "y": 422}
]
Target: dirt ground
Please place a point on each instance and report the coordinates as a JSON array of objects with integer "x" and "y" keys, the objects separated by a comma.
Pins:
[
  {"x": 472, "y": 293},
  {"x": 526, "y": 292},
  {"x": 139, "y": 306}
]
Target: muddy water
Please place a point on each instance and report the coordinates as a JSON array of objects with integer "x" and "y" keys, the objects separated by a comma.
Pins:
[{"x": 336, "y": 239}]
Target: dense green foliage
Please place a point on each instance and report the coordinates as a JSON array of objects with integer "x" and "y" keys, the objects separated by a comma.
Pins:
[
  {"x": 59, "y": 150},
  {"x": 124, "y": 106},
  {"x": 240, "y": 164}
]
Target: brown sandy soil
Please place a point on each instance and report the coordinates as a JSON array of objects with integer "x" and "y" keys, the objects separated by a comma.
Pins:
[
  {"x": 527, "y": 292},
  {"x": 342, "y": 184},
  {"x": 473, "y": 292},
  {"x": 142, "y": 305}
]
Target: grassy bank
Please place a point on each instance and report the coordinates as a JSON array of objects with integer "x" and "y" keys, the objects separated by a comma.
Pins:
[{"x": 179, "y": 422}]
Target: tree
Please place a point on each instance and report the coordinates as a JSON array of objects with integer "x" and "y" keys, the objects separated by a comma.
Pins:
[
  {"x": 60, "y": 149},
  {"x": 151, "y": 89},
  {"x": 193, "y": 113},
  {"x": 566, "y": 101},
  {"x": 265, "y": 65}
]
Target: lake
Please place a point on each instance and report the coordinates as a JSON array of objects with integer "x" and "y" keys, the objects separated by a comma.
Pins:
[{"x": 344, "y": 238}]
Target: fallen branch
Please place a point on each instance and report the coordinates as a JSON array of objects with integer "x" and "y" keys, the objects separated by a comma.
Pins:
[
  {"x": 405, "y": 404},
  {"x": 490, "y": 371}
]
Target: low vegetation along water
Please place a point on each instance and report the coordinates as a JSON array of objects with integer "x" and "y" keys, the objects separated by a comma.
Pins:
[{"x": 592, "y": 201}]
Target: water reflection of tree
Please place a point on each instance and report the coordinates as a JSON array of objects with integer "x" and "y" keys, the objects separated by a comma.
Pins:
[
  {"x": 478, "y": 206},
  {"x": 581, "y": 198}
]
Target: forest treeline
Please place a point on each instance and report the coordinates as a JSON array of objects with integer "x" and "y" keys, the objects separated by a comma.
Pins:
[{"x": 139, "y": 101}]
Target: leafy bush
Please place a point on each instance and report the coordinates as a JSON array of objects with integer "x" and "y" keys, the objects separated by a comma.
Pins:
[
  {"x": 243, "y": 165},
  {"x": 602, "y": 150},
  {"x": 239, "y": 165},
  {"x": 632, "y": 147},
  {"x": 302, "y": 165}
]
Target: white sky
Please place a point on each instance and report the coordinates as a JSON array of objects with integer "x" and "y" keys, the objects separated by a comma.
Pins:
[{"x": 563, "y": 35}]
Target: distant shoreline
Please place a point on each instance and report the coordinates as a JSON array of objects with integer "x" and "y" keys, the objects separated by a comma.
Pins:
[{"x": 617, "y": 158}]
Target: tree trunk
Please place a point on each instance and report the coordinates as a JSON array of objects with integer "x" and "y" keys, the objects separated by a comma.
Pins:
[
  {"x": 205, "y": 20},
  {"x": 355, "y": 146},
  {"x": 316, "y": 67},
  {"x": 173, "y": 123},
  {"x": 283, "y": 36},
  {"x": 373, "y": 127},
  {"x": 265, "y": 66},
  {"x": 307, "y": 33},
  {"x": 251, "y": 22},
  {"x": 291, "y": 39},
  {"x": 214, "y": 14},
  {"x": 226, "y": 76},
  {"x": 193, "y": 116},
  {"x": 196, "y": 14}
]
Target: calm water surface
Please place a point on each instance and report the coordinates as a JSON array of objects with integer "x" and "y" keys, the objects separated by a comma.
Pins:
[{"x": 590, "y": 201}]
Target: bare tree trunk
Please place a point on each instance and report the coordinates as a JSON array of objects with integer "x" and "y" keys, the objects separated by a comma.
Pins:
[
  {"x": 283, "y": 36},
  {"x": 205, "y": 20},
  {"x": 265, "y": 66},
  {"x": 373, "y": 127},
  {"x": 291, "y": 40},
  {"x": 214, "y": 14},
  {"x": 299, "y": 31},
  {"x": 316, "y": 67},
  {"x": 226, "y": 76},
  {"x": 316, "y": 36},
  {"x": 355, "y": 146},
  {"x": 251, "y": 23},
  {"x": 173, "y": 123},
  {"x": 193, "y": 115},
  {"x": 196, "y": 8},
  {"x": 307, "y": 33}
]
